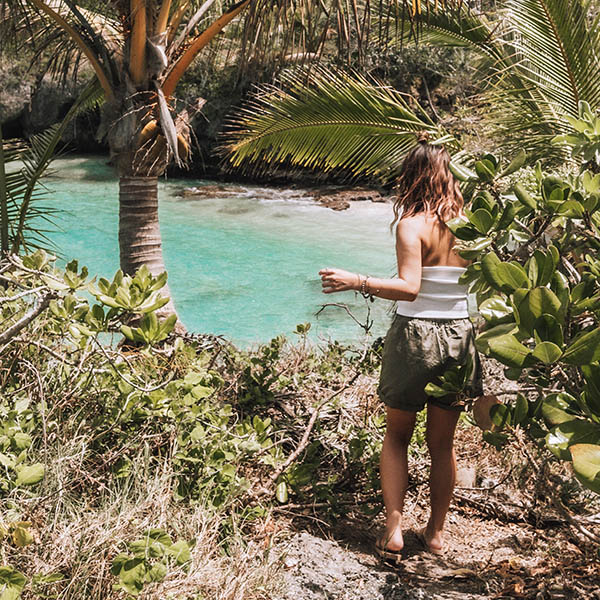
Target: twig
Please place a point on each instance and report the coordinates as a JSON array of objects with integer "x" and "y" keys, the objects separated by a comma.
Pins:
[
  {"x": 311, "y": 423},
  {"x": 487, "y": 489},
  {"x": 47, "y": 349},
  {"x": 22, "y": 294},
  {"x": 26, "y": 319},
  {"x": 366, "y": 326},
  {"x": 127, "y": 380},
  {"x": 523, "y": 248},
  {"x": 525, "y": 450},
  {"x": 557, "y": 503}
]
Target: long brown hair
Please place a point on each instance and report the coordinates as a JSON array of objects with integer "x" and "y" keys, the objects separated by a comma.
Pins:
[{"x": 425, "y": 183}]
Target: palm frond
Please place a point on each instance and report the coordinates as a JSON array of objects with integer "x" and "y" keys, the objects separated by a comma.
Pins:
[
  {"x": 537, "y": 60},
  {"x": 326, "y": 120},
  {"x": 558, "y": 52},
  {"x": 30, "y": 162},
  {"x": 95, "y": 27}
]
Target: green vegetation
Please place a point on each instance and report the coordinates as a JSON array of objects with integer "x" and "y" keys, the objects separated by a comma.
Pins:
[
  {"x": 201, "y": 428},
  {"x": 137, "y": 461},
  {"x": 534, "y": 245}
]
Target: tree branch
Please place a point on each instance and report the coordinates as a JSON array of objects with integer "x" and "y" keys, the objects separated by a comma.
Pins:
[{"x": 5, "y": 336}]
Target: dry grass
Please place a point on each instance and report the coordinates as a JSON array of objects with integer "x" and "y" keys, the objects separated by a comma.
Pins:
[{"x": 79, "y": 539}]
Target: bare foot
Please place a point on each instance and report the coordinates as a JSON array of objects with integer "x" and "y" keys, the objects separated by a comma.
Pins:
[
  {"x": 392, "y": 538},
  {"x": 433, "y": 541}
]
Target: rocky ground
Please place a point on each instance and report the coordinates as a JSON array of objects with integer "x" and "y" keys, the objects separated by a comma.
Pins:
[{"x": 487, "y": 556}]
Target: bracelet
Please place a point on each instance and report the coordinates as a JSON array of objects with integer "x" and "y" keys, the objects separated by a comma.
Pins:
[{"x": 365, "y": 289}]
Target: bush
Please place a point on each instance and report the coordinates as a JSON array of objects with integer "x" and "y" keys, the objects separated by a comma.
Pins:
[{"x": 536, "y": 274}]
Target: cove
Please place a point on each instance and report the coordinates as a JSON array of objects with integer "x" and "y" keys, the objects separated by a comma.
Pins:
[{"x": 244, "y": 266}]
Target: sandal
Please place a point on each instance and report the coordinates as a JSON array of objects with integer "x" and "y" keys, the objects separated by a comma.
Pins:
[
  {"x": 391, "y": 556},
  {"x": 420, "y": 533}
]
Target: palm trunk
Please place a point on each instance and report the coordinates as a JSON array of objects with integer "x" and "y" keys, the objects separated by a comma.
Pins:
[{"x": 139, "y": 232}]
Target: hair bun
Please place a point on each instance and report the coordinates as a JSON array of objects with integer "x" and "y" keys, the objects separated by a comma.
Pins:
[{"x": 423, "y": 137}]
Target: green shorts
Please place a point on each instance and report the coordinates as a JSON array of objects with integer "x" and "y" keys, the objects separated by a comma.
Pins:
[{"x": 416, "y": 352}]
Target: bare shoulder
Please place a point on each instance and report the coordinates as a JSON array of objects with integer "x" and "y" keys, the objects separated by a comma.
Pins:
[{"x": 412, "y": 228}]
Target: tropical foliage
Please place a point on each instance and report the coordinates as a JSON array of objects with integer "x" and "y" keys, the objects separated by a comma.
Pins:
[
  {"x": 103, "y": 421},
  {"x": 533, "y": 239},
  {"x": 536, "y": 60}
]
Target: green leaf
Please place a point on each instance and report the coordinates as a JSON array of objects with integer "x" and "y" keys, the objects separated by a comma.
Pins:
[
  {"x": 30, "y": 475},
  {"x": 485, "y": 169},
  {"x": 495, "y": 308},
  {"x": 461, "y": 172},
  {"x": 542, "y": 301},
  {"x": 586, "y": 465},
  {"x": 569, "y": 433},
  {"x": 489, "y": 267},
  {"x": 157, "y": 572},
  {"x": 547, "y": 352},
  {"x": 21, "y": 535},
  {"x": 571, "y": 209},
  {"x": 508, "y": 350},
  {"x": 521, "y": 410},
  {"x": 508, "y": 216},
  {"x": 436, "y": 391},
  {"x": 545, "y": 267},
  {"x": 482, "y": 220},
  {"x": 281, "y": 493},
  {"x": 554, "y": 408},
  {"x": 547, "y": 329},
  {"x": 12, "y": 583},
  {"x": 584, "y": 350},
  {"x": 591, "y": 182},
  {"x": 515, "y": 164},
  {"x": 181, "y": 551},
  {"x": 500, "y": 415},
  {"x": 462, "y": 229},
  {"x": 132, "y": 575},
  {"x": 483, "y": 339},
  {"x": 523, "y": 196}
]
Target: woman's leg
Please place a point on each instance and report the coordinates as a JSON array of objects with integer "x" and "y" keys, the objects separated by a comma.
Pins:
[
  {"x": 394, "y": 473},
  {"x": 441, "y": 424}
]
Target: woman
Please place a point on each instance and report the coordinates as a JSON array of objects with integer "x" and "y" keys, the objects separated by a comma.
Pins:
[{"x": 430, "y": 332}]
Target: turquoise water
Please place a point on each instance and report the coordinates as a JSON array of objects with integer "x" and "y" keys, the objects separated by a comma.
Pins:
[{"x": 244, "y": 266}]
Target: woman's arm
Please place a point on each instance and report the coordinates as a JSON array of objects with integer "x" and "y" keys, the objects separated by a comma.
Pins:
[{"x": 405, "y": 287}]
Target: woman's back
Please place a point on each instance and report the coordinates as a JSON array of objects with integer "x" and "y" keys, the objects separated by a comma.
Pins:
[{"x": 437, "y": 241}]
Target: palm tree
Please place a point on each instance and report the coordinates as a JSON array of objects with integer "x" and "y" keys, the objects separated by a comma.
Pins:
[
  {"x": 138, "y": 50},
  {"x": 537, "y": 61}
]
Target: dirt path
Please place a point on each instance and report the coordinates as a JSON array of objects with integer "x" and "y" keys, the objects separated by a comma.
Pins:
[
  {"x": 317, "y": 569},
  {"x": 485, "y": 559}
]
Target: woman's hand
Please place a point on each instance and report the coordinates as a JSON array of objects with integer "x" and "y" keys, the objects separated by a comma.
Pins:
[{"x": 338, "y": 280}]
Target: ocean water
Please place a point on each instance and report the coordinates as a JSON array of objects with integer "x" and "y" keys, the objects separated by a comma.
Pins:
[{"x": 244, "y": 266}]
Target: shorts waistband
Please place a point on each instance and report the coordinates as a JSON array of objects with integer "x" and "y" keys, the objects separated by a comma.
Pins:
[{"x": 460, "y": 320}]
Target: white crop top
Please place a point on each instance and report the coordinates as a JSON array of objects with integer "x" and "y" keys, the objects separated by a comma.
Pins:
[{"x": 440, "y": 296}]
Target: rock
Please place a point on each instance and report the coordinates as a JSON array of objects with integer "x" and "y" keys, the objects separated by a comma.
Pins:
[
  {"x": 16, "y": 93},
  {"x": 466, "y": 476},
  {"x": 49, "y": 104},
  {"x": 212, "y": 191},
  {"x": 334, "y": 203},
  {"x": 340, "y": 198}
]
